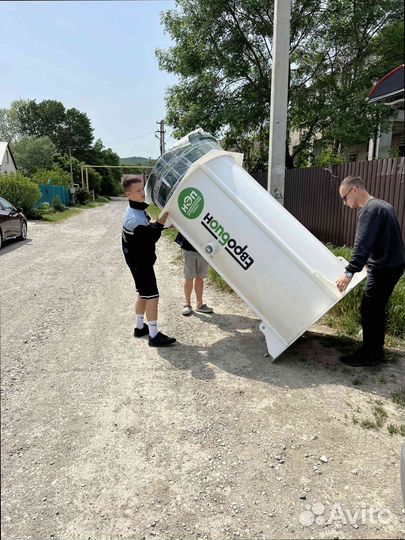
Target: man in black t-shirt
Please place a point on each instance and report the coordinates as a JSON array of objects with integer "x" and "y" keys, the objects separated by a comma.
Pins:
[{"x": 379, "y": 245}]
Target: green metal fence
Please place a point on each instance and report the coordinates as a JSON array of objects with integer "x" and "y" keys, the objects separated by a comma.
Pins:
[{"x": 49, "y": 192}]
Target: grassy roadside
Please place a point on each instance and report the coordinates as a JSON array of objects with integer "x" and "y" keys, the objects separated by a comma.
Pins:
[
  {"x": 345, "y": 316},
  {"x": 56, "y": 217}
]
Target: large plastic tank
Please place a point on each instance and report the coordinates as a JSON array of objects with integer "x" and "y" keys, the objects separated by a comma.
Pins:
[{"x": 285, "y": 274}]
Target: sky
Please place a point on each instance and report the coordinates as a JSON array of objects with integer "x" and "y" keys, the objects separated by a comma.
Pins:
[{"x": 98, "y": 57}]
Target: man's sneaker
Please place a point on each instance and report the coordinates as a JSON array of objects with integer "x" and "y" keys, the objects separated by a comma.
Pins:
[
  {"x": 186, "y": 310},
  {"x": 139, "y": 332},
  {"x": 161, "y": 340},
  {"x": 205, "y": 309}
]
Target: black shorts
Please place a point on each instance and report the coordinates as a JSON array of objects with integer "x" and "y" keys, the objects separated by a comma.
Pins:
[{"x": 145, "y": 280}]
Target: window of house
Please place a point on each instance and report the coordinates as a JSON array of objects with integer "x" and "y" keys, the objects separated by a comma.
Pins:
[
  {"x": 7, "y": 157},
  {"x": 401, "y": 150},
  {"x": 352, "y": 157}
]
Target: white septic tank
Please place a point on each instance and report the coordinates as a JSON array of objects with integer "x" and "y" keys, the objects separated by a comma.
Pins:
[{"x": 285, "y": 274}]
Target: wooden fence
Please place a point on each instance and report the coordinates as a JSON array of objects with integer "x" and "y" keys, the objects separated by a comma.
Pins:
[{"x": 312, "y": 196}]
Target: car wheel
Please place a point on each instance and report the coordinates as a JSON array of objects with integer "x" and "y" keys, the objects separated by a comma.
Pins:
[
  {"x": 23, "y": 235},
  {"x": 1, "y": 239}
]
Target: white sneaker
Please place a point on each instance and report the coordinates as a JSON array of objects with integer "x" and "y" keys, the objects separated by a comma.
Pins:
[{"x": 186, "y": 310}]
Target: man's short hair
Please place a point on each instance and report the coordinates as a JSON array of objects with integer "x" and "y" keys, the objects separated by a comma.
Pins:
[
  {"x": 353, "y": 181},
  {"x": 127, "y": 181}
]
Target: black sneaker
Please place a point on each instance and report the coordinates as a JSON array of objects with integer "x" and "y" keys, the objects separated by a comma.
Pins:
[
  {"x": 161, "y": 340},
  {"x": 139, "y": 332}
]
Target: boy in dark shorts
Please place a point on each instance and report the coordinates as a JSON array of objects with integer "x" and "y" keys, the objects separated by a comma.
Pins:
[{"x": 139, "y": 237}]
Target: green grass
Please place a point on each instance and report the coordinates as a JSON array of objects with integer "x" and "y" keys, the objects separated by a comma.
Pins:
[
  {"x": 345, "y": 316},
  {"x": 60, "y": 216},
  {"x": 380, "y": 417},
  {"x": 56, "y": 217},
  {"x": 217, "y": 281},
  {"x": 392, "y": 429},
  {"x": 102, "y": 199},
  {"x": 398, "y": 396}
]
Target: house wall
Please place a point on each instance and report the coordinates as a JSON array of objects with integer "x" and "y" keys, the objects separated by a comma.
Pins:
[
  {"x": 358, "y": 152},
  {"x": 7, "y": 165},
  {"x": 388, "y": 144}
]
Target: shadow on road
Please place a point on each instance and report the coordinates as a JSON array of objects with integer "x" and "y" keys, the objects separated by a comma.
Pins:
[
  {"x": 11, "y": 245},
  {"x": 313, "y": 360}
]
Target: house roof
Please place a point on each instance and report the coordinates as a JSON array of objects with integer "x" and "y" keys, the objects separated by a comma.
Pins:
[
  {"x": 390, "y": 87},
  {"x": 3, "y": 148}
]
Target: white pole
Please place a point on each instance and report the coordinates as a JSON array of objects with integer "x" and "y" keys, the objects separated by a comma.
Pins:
[
  {"x": 279, "y": 98},
  {"x": 71, "y": 168}
]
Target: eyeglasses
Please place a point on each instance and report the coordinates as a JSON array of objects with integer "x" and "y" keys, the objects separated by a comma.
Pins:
[{"x": 345, "y": 196}]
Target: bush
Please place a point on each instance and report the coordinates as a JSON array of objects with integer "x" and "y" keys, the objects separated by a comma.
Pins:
[
  {"x": 19, "y": 190},
  {"x": 58, "y": 205},
  {"x": 56, "y": 175},
  {"x": 328, "y": 157},
  {"x": 82, "y": 196},
  {"x": 43, "y": 210}
]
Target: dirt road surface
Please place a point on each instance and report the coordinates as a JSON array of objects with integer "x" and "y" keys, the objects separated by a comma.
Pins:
[{"x": 104, "y": 437}]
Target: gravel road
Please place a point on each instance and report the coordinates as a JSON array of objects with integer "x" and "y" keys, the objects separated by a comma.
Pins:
[{"x": 104, "y": 437}]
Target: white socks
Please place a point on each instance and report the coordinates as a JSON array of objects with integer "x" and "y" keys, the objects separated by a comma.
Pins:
[
  {"x": 139, "y": 321},
  {"x": 153, "y": 330}
]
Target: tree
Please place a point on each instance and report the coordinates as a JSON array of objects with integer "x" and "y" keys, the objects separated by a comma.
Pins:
[
  {"x": 42, "y": 119},
  {"x": 66, "y": 128},
  {"x": 98, "y": 155},
  {"x": 63, "y": 161},
  {"x": 33, "y": 153},
  {"x": 10, "y": 127},
  {"x": 75, "y": 132},
  {"x": 223, "y": 56}
]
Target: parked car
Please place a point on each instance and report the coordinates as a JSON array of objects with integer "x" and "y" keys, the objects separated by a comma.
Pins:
[{"x": 13, "y": 223}]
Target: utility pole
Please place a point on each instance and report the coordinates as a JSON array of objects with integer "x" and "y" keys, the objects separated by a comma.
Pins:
[
  {"x": 279, "y": 99},
  {"x": 161, "y": 132},
  {"x": 71, "y": 167}
]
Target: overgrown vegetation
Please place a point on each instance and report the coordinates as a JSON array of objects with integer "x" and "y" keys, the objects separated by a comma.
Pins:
[
  {"x": 395, "y": 430},
  {"x": 380, "y": 417},
  {"x": 48, "y": 141},
  {"x": 19, "y": 190},
  {"x": 222, "y": 57},
  {"x": 398, "y": 397},
  {"x": 345, "y": 316}
]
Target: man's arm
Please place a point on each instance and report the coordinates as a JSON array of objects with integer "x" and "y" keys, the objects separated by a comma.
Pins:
[
  {"x": 153, "y": 231},
  {"x": 366, "y": 234}
]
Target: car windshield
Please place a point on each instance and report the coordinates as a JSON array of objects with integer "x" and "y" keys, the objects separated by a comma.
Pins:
[{"x": 6, "y": 205}]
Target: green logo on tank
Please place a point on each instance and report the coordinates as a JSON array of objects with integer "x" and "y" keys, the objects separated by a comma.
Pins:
[{"x": 191, "y": 202}]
